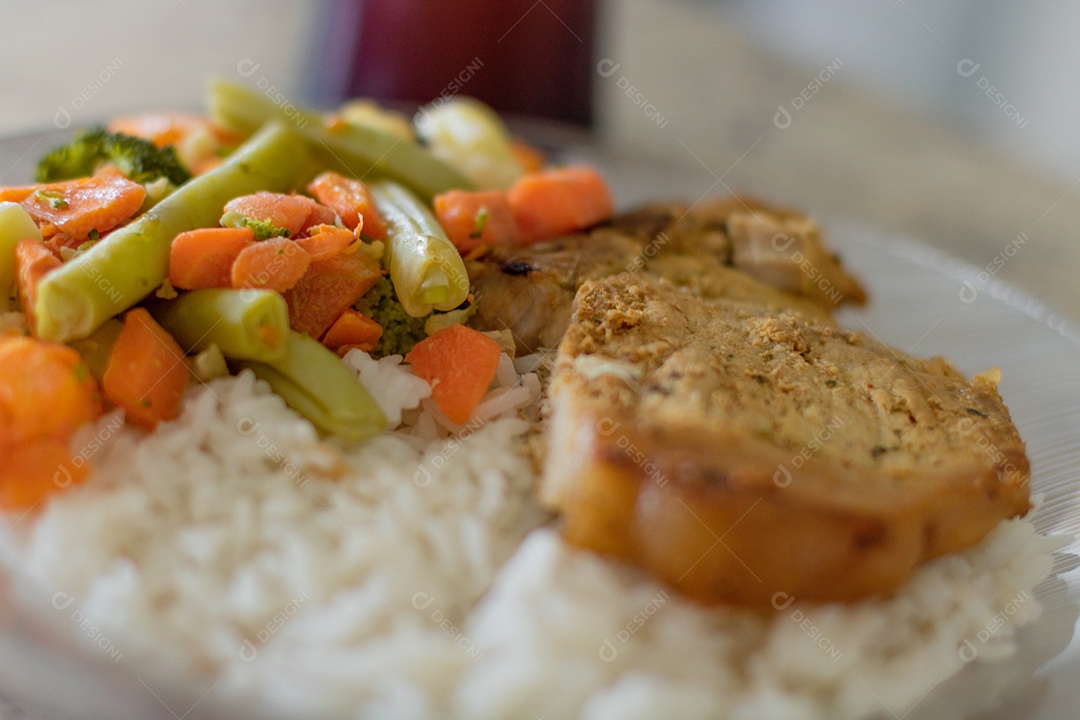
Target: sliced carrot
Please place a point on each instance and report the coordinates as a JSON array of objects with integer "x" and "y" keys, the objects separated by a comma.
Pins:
[
  {"x": 34, "y": 470},
  {"x": 556, "y": 202},
  {"x": 319, "y": 215},
  {"x": 274, "y": 264},
  {"x": 472, "y": 219},
  {"x": 45, "y": 390},
  {"x": 530, "y": 158},
  {"x": 204, "y": 164},
  {"x": 58, "y": 241},
  {"x": 18, "y": 193},
  {"x": 329, "y": 288},
  {"x": 351, "y": 200},
  {"x": 326, "y": 241},
  {"x": 108, "y": 170},
  {"x": 33, "y": 261},
  {"x": 164, "y": 129},
  {"x": 289, "y": 212},
  {"x": 352, "y": 330},
  {"x": 77, "y": 207},
  {"x": 204, "y": 258},
  {"x": 459, "y": 363},
  {"x": 147, "y": 372},
  {"x": 159, "y": 128}
]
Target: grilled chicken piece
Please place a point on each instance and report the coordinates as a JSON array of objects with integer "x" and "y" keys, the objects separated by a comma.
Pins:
[
  {"x": 737, "y": 453},
  {"x": 712, "y": 249}
]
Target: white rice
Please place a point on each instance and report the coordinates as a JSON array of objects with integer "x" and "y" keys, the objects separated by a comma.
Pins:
[{"x": 412, "y": 577}]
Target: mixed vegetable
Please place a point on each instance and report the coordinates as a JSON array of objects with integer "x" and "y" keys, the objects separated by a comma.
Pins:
[{"x": 164, "y": 249}]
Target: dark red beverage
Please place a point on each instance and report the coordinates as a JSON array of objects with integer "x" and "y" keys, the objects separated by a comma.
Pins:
[{"x": 520, "y": 56}]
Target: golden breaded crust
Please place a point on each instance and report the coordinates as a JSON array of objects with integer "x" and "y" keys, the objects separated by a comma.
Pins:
[
  {"x": 730, "y": 247},
  {"x": 736, "y": 451}
]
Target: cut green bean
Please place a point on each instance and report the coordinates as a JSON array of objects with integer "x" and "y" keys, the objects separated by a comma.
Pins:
[
  {"x": 356, "y": 149},
  {"x": 426, "y": 269},
  {"x": 368, "y": 113},
  {"x": 314, "y": 382},
  {"x": 15, "y": 225},
  {"x": 441, "y": 321},
  {"x": 244, "y": 324},
  {"x": 97, "y": 348},
  {"x": 132, "y": 262},
  {"x": 468, "y": 135},
  {"x": 209, "y": 364}
]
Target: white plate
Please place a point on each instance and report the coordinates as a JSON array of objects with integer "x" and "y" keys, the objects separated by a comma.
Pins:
[
  {"x": 928, "y": 303},
  {"x": 922, "y": 302}
]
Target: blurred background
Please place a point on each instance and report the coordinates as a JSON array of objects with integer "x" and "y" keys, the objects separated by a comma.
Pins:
[{"x": 953, "y": 122}]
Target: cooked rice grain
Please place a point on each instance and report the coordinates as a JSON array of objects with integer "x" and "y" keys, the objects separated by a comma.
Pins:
[{"x": 387, "y": 580}]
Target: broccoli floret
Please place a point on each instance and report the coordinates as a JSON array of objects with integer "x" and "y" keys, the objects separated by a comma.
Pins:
[
  {"x": 138, "y": 159},
  {"x": 400, "y": 331},
  {"x": 263, "y": 229}
]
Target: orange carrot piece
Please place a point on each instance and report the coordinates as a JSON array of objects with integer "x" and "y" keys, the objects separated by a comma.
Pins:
[
  {"x": 98, "y": 203},
  {"x": 289, "y": 212},
  {"x": 33, "y": 261},
  {"x": 530, "y": 158},
  {"x": 147, "y": 372},
  {"x": 34, "y": 470},
  {"x": 57, "y": 241},
  {"x": 352, "y": 330},
  {"x": 108, "y": 169},
  {"x": 18, "y": 193},
  {"x": 556, "y": 202},
  {"x": 162, "y": 129},
  {"x": 351, "y": 200},
  {"x": 204, "y": 258},
  {"x": 204, "y": 164},
  {"x": 45, "y": 391},
  {"x": 275, "y": 264},
  {"x": 472, "y": 219},
  {"x": 459, "y": 363},
  {"x": 167, "y": 128},
  {"x": 319, "y": 215},
  {"x": 329, "y": 288},
  {"x": 326, "y": 241}
]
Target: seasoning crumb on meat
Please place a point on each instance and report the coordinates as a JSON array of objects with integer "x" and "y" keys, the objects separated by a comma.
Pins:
[
  {"x": 718, "y": 248},
  {"x": 830, "y": 470}
]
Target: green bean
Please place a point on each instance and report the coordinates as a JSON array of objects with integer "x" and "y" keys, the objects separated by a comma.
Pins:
[
  {"x": 368, "y": 113},
  {"x": 244, "y": 324},
  {"x": 209, "y": 364},
  {"x": 96, "y": 349},
  {"x": 469, "y": 135},
  {"x": 426, "y": 269},
  {"x": 358, "y": 150},
  {"x": 441, "y": 321},
  {"x": 315, "y": 383},
  {"x": 132, "y": 262},
  {"x": 15, "y": 225}
]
